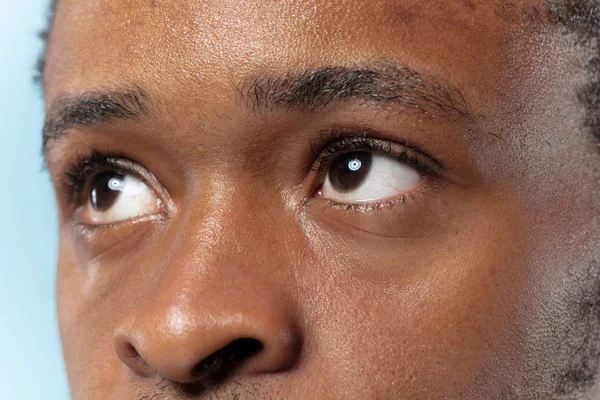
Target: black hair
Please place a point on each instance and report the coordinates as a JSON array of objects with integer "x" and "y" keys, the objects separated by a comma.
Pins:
[
  {"x": 44, "y": 35},
  {"x": 582, "y": 18}
]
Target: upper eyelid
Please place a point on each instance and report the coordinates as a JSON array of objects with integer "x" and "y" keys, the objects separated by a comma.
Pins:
[
  {"x": 353, "y": 142},
  {"x": 79, "y": 173}
]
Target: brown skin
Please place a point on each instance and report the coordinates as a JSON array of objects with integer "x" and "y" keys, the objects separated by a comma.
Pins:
[{"x": 472, "y": 289}]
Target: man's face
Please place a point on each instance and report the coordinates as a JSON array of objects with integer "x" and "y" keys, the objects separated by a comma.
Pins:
[{"x": 322, "y": 199}]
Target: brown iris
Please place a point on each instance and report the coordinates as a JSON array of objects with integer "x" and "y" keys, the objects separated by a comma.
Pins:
[
  {"x": 105, "y": 189},
  {"x": 348, "y": 171}
]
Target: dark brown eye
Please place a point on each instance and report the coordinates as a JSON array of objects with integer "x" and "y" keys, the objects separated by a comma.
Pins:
[
  {"x": 105, "y": 189},
  {"x": 365, "y": 177},
  {"x": 348, "y": 171},
  {"x": 114, "y": 196}
]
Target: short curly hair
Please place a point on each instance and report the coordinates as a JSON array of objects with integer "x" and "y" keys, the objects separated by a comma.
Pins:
[
  {"x": 582, "y": 18},
  {"x": 44, "y": 35}
]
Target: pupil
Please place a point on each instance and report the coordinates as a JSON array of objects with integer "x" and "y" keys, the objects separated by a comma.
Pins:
[
  {"x": 105, "y": 190},
  {"x": 354, "y": 165},
  {"x": 348, "y": 171}
]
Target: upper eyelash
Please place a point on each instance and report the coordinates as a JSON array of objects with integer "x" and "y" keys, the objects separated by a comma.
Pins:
[
  {"x": 78, "y": 173},
  {"x": 354, "y": 142}
]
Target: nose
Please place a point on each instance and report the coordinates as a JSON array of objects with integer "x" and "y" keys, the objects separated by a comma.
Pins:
[{"x": 195, "y": 339}]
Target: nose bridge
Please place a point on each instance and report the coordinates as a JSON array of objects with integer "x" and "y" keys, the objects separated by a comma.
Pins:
[
  {"x": 244, "y": 209},
  {"x": 244, "y": 230}
]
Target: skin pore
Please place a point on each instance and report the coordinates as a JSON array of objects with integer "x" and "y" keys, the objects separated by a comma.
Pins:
[{"x": 216, "y": 241}]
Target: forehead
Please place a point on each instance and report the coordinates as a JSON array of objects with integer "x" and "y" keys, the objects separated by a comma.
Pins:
[{"x": 176, "y": 46}]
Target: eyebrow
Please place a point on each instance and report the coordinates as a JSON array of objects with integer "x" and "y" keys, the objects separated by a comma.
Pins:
[
  {"x": 92, "y": 108},
  {"x": 381, "y": 83}
]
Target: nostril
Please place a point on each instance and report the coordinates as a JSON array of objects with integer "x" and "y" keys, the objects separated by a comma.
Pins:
[
  {"x": 221, "y": 363},
  {"x": 129, "y": 355},
  {"x": 130, "y": 351}
]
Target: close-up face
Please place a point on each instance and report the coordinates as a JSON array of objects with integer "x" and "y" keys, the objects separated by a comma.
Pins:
[{"x": 326, "y": 199}]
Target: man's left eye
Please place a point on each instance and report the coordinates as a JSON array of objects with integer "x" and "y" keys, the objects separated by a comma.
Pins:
[
  {"x": 365, "y": 177},
  {"x": 115, "y": 197}
]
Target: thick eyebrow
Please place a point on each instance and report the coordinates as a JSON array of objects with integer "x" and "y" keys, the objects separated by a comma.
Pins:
[
  {"x": 93, "y": 107},
  {"x": 382, "y": 83}
]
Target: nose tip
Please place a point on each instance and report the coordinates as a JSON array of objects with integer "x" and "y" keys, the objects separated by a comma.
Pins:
[{"x": 207, "y": 352}]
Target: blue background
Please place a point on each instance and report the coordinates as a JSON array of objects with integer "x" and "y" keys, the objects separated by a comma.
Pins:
[{"x": 30, "y": 360}]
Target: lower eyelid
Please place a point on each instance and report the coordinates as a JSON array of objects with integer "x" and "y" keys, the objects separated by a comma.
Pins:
[
  {"x": 364, "y": 206},
  {"x": 88, "y": 229},
  {"x": 153, "y": 203}
]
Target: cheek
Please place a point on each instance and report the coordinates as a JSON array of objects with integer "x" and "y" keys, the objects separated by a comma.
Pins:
[
  {"x": 436, "y": 314},
  {"x": 85, "y": 330},
  {"x": 418, "y": 341}
]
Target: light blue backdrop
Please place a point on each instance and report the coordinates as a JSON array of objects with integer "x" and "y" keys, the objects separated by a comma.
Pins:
[{"x": 30, "y": 361}]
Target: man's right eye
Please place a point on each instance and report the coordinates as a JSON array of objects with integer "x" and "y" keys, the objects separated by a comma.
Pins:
[
  {"x": 105, "y": 189},
  {"x": 114, "y": 196}
]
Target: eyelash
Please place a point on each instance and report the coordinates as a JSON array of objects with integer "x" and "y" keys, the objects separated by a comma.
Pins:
[
  {"x": 78, "y": 173},
  {"x": 333, "y": 144},
  {"x": 342, "y": 140}
]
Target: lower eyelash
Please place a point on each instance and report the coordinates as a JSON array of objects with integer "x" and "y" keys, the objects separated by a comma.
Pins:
[{"x": 367, "y": 207}]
